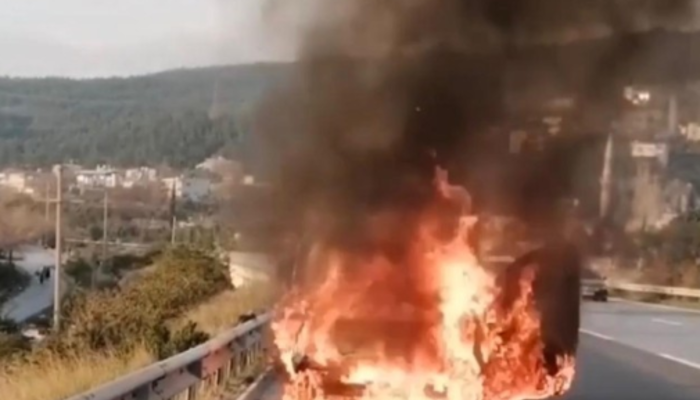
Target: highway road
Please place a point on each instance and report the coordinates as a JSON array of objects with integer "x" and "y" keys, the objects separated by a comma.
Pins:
[
  {"x": 663, "y": 330},
  {"x": 629, "y": 351},
  {"x": 638, "y": 351},
  {"x": 36, "y": 297}
]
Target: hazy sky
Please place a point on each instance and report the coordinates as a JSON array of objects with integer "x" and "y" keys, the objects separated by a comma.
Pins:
[{"x": 84, "y": 38}]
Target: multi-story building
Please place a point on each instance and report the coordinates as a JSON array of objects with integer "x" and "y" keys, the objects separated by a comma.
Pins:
[
  {"x": 192, "y": 188},
  {"x": 139, "y": 176},
  {"x": 102, "y": 176}
]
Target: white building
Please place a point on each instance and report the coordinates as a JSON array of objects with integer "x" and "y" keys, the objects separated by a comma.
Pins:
[
  {"x": 213, "y": 163},
  {"x": 139, "y": 176},
  {"x": 102, "y": 176},
  {"x": 651, "y": 151},
  {"x": 194, "y": 189},
  {"x": 18, "y": 181},
  {"x": 691, "y": 132}
]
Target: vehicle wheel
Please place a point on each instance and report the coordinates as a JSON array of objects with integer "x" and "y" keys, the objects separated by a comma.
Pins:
[{"x": 557, "y": 289}]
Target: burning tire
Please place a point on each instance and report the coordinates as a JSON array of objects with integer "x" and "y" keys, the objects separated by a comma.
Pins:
[{"x": 557, "y": 292}]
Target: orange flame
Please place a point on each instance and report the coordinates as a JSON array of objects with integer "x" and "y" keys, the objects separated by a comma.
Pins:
[{"x": 432, "y": 327}]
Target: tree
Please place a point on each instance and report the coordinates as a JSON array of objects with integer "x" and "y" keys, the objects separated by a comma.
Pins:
[{"x": 95, "y": 232}]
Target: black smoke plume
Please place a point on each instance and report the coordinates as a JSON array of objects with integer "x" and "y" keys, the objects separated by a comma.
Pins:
[{"x": 385, "y": 90}]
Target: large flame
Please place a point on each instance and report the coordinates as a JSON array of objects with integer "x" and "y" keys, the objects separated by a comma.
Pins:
[{"x": 434, "y": 326}]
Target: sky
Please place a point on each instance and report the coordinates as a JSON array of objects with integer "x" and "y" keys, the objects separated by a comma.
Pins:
[{"x": 98, "y": 38}]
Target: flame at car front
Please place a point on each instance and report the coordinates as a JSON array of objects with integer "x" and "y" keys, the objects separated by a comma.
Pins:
[{"x": 435, "y": 325}]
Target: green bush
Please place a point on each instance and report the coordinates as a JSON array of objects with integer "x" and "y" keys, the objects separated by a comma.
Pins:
[
  {"x": 121, "y": 263},
  {"x": 125, "y": 317},
  {"x": 12, "y": 281},
  {"x": 9, "y": 326},
  {"x": 81, "y": 272}
]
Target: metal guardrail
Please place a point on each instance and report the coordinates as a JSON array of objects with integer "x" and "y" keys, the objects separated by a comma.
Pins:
[
  {"x": 670, "y": 291},
  {"x": 655, "y": 290},
  {"x": 187, "y": 375}
]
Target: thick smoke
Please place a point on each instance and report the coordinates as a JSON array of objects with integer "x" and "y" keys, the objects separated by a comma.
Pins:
[{"x": 385, "y": 90}]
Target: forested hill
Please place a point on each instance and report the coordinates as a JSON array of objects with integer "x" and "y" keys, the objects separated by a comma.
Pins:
[
  {"x": 181, "y": 117},
  {"x": 177, "y": 117}
]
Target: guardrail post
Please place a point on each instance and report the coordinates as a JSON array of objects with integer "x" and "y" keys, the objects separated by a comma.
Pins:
[{"x": 193, "y": 390}]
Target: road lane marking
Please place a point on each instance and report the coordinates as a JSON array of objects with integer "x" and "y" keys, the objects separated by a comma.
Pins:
[
  {"x": 642, "y": 349},
  {"x": 680, "y": 360},
  {"x": 653, "y": 305},
  {"x": 596, "y": 334},
  {"x": 666, "y": 322}
]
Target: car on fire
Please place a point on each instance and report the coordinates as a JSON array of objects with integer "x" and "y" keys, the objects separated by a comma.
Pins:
[
  {"x": 516, "y": 325},
  {"x": 557, "y": 293}
]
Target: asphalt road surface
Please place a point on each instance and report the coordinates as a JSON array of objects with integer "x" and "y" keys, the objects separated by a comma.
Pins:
[
  {"x": 36, "y": 297},
  {"x": 638, "y": 351},
  {"x": 663, "y": 330},
  {"x": 629, "y": 351}
]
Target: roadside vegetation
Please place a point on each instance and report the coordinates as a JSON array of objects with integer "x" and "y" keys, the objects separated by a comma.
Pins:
[
  {"x": 12, "y": 281},
  {"x": 182, "y": 302},
  {"x": 117, "y": 268},
  {"x": 667, "y": 257}
]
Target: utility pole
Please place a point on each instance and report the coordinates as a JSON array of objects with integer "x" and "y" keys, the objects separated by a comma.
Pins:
[
  {"x": 58, "y": 170},
  {"x": 47, "y": 201},
  {"x": 47, "y": 209},
  {"x": 105, "y": 235},
  {"x": 173, "y": 229},
  {"x": 173, "y": 216},
  {"x": 606, "y": 180},
  {"x": 105, "y": 225}
]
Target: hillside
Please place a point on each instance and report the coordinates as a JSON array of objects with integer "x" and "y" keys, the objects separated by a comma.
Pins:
[{"x": 179, "y": 117}]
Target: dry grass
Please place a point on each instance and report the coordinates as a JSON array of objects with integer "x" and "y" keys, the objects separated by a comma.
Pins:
[
  {"x": 224, "y": 309},
  {"x": 51, "y": 378},
  {"x": 662, "y": 273}
]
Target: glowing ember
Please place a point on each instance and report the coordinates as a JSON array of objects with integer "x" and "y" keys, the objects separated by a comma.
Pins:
[{"x": 433, "y": 327}]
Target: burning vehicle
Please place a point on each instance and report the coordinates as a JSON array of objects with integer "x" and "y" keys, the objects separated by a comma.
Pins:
[
  {"x": 436, "y": 322},
  {"x": 397, "y": 293}
]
